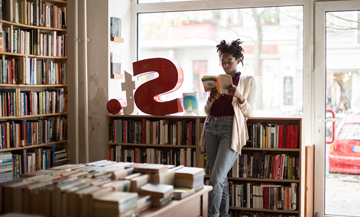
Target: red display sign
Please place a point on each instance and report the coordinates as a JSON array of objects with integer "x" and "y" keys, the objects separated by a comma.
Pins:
[{"x": 147, "y": 95}]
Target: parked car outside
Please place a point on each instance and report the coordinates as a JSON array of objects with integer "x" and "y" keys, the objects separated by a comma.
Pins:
[{"x": 344, "y": 156}]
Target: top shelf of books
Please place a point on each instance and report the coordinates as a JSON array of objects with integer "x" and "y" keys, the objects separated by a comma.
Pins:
[{"x": 45, "y": 14}]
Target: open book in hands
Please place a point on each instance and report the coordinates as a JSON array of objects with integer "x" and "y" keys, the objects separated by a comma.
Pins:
[{"x": 220, "y": 82}]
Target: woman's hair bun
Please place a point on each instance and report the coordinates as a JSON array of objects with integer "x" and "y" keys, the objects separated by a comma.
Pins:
[{"x": 234, "y": 48}]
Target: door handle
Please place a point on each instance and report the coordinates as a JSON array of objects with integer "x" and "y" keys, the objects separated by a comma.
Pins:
[{"x": 332, "y": 120}]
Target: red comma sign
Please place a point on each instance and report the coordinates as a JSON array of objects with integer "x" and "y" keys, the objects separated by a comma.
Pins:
[{"x": 147, "y": 95}]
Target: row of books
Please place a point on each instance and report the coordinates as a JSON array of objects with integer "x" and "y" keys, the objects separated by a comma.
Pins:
[
  {"x": 34, "y": 12},
  {"x": 266, "y": 166},
  {"x": 44, "y": 71},
  {"x": 37, "y": 71},
  {"x": 16, "y": 102},
  {"x": 13, "y": 165},
  {"x": 162, "y": 132},
  {"x": 102, "y": 188},
  {"x": 11, "y": 71},
  {"x": 20, "y": 133},
  {"x": 34, "y": 42},
  {"x": 264, "y": 196},
  {"x": 241, "y": 213},
  {"x": 263, "y": 135},
  {"x": 182, "y": 156}
]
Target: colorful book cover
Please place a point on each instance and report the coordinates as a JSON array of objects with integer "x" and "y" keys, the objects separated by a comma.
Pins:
[{"x": 115, "y": 27}]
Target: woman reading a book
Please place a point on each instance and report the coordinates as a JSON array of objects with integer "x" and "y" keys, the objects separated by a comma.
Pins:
[{"x": 225, "y": 131}]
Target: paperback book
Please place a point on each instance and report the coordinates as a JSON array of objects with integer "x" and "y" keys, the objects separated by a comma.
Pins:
[{"x": 220, "y": 82}]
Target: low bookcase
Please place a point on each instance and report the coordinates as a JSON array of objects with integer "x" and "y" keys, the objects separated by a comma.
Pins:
[
  {"x": 155, "y": 139},
  {"x": 265, "y": 179},
  {"x": 276, "y": 141}
]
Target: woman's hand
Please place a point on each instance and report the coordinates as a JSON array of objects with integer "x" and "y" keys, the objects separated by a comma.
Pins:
[
  {"x": 213, "y": 95},
  {"x": 234, "y": 92}
]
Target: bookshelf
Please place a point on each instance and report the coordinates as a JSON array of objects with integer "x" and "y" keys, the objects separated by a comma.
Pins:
[
  {"x": 258, "y": 176},
  {"x": 290, "y": 153},
  {"x": 34, "y": 84},
  {"x": 180, "y": 141}
]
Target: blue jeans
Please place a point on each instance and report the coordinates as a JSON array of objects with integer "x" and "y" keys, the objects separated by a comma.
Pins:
[{"x": 218, "y": 134}]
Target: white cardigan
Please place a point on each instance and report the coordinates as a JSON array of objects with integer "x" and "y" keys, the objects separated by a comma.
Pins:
[{"x": 247, "y": 87}]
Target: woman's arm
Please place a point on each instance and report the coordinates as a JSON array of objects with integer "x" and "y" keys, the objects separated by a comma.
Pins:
[
  {"x": 213, "y": 95},
  {"x": 247, "y": 99},
  {"x": 247, "y": 107}
]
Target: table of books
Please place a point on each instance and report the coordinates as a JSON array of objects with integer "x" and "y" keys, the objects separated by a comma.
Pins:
[
  {"x": 194, "y": 205},
  {"x": 108, "y": 188}
]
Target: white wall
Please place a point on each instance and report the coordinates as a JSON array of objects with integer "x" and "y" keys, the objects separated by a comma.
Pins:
[
  {"x": 98, "y": 74},
  {"x": 120, "y": 9}
]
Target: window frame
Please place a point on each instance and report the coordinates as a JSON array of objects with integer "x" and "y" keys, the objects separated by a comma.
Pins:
[{"x": 308, "y": 128}]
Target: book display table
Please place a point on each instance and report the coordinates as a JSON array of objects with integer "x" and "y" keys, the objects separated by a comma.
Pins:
[{"x": 194, "y": 205}]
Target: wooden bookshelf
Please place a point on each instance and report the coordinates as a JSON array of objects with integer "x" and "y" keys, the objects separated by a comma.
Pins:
[
  {"x": 266, "y": 210},
  {"x": 33, "y": 56},
  {"x": 291, "y": 152},
  {"x": 56, "y": 1},
  {"x": 151, "y": 145},
  {"x": 257, "y": 181},
  {"x": 196, "y": 125},
  {"x": 33, "y": 116},
  {"x": 34, "y": 146},
  {"x": 33, "y": 85},
  {"x": 20, "y": 124},
  {"x": 271, "y": 149},
  {"x": 8, "y": 23}
]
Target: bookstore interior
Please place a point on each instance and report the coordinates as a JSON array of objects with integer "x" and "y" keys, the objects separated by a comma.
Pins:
[{"x": 103, "y": 115}]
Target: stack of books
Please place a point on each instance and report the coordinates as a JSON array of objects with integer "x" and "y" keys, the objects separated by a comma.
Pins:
[
  {"x": 188, "y": 180},
  {"x": 190, "y": 177},
  {"x": 6, "y": 166},
  {"x": 101, "y": 188},
  {"x": 161, "y": 194},
  {"x": 116, "y": 204},
  {"x": 61, "y": 157}
]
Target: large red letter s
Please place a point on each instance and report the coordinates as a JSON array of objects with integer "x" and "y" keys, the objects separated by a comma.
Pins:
[{"x": 147, "y": 96}]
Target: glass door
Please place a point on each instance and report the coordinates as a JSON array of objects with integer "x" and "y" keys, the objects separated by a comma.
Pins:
[{"x": 337, "y": 108}]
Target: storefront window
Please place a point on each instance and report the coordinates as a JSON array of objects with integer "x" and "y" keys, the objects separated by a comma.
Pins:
[{"x": 272, "y": 39}]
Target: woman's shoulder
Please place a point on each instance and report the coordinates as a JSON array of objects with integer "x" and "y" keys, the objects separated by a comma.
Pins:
[{"x": 247, "y": 77}]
